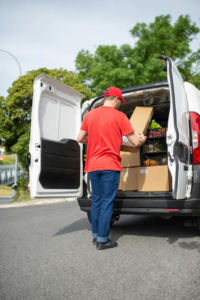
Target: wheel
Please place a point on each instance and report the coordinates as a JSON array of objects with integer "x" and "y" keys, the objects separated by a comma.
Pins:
[
  {"x": 114, "y": 218},
  {"x": 88, "y": 215},
  {"x": 198, "y": 222}
]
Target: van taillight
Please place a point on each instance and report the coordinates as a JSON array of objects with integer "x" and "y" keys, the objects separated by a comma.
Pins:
[{"x": 195, "y": 127}]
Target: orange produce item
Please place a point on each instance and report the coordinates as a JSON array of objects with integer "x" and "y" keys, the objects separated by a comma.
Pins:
[
  {"x": 146, "y": 163},
  {"x": 153, "y": 162}
]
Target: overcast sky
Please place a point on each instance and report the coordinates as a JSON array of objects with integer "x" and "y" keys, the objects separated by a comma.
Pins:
[{"x": 51, "y": 33}]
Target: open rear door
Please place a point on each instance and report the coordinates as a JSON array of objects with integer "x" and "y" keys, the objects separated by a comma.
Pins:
[
  {"x": 178, "y": 134},
  {"x": 56, "y": 157}
]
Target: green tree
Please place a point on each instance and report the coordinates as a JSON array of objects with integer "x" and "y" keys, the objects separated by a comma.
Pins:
[
  {"x": 15, "y": 110},
  {"x": 129, "y": 66}
]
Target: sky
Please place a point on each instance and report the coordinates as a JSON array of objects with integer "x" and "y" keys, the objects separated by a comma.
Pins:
[{"x": 51, "y": 33}]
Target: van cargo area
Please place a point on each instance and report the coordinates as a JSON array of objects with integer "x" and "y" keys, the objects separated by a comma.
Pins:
[{"x": 152, "y": 155}]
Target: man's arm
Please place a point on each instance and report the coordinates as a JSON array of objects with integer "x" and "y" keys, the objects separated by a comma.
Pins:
[
  {"x": 136, "y": 139},
  {"x": 82, "y": 138}
]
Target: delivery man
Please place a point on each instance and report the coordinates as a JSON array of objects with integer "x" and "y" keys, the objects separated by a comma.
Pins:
[{"x": 105, "y": 126}]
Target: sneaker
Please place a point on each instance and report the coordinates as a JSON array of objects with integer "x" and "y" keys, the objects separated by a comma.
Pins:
[
  {"x": 106, "y": 245},
  {"x": 94, "y": 241}
]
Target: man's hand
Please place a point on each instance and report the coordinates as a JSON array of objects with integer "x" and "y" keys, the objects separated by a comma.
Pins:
[
  {"x": 82, "y": 138},
  {"x": 142, "y": 138},
  {"x": 137, "y": 139}
]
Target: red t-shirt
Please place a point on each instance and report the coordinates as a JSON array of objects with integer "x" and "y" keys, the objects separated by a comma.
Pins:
[{"x": 105, "y": 126}]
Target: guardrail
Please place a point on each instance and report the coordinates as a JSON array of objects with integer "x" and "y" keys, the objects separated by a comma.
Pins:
[{"x": 7, "y": 174}]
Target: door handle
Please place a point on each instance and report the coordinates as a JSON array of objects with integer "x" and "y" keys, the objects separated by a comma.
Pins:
[{"x": 28, "y": 162}]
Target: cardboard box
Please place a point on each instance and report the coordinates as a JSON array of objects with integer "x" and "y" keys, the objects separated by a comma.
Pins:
[
  {"x": 128, "y": 179},
  {"x": 120, "y": 184},
  {"x": 131, "y": 149},
  {"x": 140, "y": 120},
  {"x": 130, "y": 159},
  {"x": 154, "y": 179}
]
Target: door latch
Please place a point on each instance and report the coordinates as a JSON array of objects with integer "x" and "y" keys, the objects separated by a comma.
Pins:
[
  {"x": 170, "y": 157},
  {"x": 169, "y": 136}
]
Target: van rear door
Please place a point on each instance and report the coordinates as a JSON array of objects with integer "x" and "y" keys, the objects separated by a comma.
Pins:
[
  {"x": 56, "y": 157},
  {"x": 178, "y": 134}
]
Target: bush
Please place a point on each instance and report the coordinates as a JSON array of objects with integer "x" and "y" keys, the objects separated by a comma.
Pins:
[{"x": 22, "y": 187}]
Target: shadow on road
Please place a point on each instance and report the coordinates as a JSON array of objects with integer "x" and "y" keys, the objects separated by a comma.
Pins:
[
  {"x": 82, "y": 224},
  {"x": 154, "y": 226},
  {"x": 190, "y": 245},
  {"x": 150, "y": 226}
]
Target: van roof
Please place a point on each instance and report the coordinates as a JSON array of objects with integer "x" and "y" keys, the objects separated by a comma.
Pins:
[{"x": 135, "y": 88}]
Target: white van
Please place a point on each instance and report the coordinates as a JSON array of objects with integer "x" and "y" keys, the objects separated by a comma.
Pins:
[{"x": 57, "y": 160}]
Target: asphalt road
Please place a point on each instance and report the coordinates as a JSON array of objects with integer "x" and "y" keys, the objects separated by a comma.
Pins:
[
  {"x": 5, "y": 200},
  {"x": 46, "y": 253}
]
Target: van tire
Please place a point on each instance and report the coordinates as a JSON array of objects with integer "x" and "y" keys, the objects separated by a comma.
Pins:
[
  {"x": 198, "y": 223},
  {"x": 89, "y": 219}
]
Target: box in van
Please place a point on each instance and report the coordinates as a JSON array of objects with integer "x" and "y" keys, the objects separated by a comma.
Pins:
[
  {"x": 120, "y": 184},
  {"x": 139, "y": 120},
  {"x": 154, "y": 179},
  {"x": 130, "y": 159},
  {"x": 129, "y": 179}
]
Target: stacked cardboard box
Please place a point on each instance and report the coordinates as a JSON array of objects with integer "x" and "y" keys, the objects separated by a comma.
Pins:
[
  {"x": 128, "y": 177},
  {"x": 146, "y": 179},
  {"x": 130, "y": 159},
  {"x": 139, "y": 120},
  {"x": 131, "y": 155},
  {"x": 133, "y": 177},
  {"x": 154, "y": 179}
]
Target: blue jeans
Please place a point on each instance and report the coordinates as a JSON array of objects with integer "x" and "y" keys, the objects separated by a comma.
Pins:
[{"x": 104, "y": 188}]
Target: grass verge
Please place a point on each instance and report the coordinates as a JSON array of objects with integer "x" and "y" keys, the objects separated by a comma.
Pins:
[
  {"x": 5, "y": 190},
  {"x": 23, "y": 198}
]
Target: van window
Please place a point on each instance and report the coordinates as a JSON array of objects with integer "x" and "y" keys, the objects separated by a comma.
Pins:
[
  {"x": 54, "y": 119},
  {"x": 47, "y": 118},
  {"x": 67, "y": 116}
]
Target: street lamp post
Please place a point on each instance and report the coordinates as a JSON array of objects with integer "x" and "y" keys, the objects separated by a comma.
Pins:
[
  {"x": 14, "y": 186},
  {"x": 20, "y": 70}
]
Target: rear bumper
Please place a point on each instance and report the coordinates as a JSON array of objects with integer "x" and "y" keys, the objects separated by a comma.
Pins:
[
  {"x": 154, "y": 204},
  {"x": 144, "y": 206},
  {"x": 152, "y": 211}
]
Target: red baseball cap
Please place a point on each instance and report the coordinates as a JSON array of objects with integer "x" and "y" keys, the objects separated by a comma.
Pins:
[{"x": 114, "y": 92}]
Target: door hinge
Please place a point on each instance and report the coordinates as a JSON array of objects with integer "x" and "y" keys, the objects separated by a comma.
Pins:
[
  {"x": 190, "y": 149},
  {"x": 189, "y": 181},
  {"x": 189, "y": 174},
  {"x": 170, "y": 157}
]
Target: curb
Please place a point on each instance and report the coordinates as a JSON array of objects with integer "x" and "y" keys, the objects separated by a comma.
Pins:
[
  {"x": 2, "y": 197},
  {"x": 36, "y": 202}
]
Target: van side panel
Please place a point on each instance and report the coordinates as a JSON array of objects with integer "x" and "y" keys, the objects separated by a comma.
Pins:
[{"x": 193, "y": 96}]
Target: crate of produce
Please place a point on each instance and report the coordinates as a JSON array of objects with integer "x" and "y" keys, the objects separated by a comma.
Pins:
[
  {"x": 156, "y": 133},
  {"x": 160, "y": 160},
  {"x": 154, "y": 146}
]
